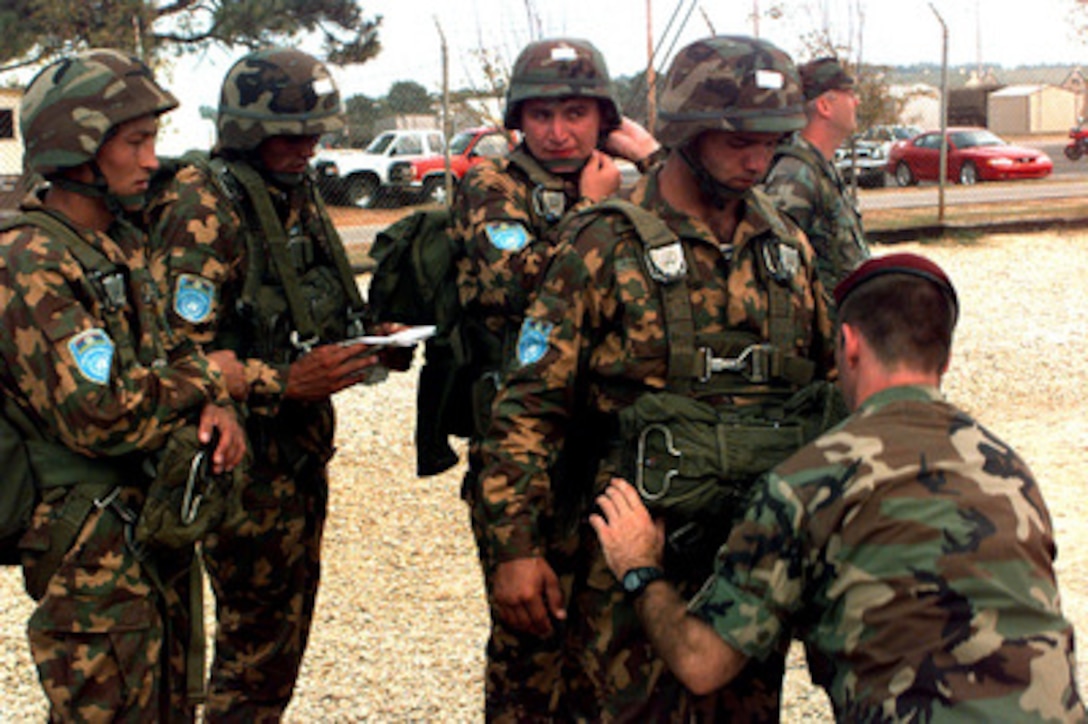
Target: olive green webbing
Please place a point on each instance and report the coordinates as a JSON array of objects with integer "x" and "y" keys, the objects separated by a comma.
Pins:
[
  {"x": 275, "y": 235},
  {"x": 89, "y": 258},
  {"x": 337, "y": 252}
]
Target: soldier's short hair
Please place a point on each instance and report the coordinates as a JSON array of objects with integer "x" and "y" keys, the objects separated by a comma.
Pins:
[{"x": 906, "y": 308}]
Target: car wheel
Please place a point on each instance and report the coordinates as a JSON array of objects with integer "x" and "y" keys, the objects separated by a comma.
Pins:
[
  {"x": 968, "y": 174},
  {"x": 434, "y": 190},
  {"x": 361, "y": 191},
  {"x": 903, "y": 175}
]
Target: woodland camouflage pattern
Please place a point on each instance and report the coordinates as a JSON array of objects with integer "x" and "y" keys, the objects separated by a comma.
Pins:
[
  {"x": 912, "y": 552},
  {"x": 822, "y": 75},
  {"x": 97, "y": 634},
  {"x": 810, "y": 189},
  {"x": 523, "y": 678},
  {"x": 605, "y": 335},
  {"x": 729, "y": 84},
  {"x": 277, "y": 91},
  {"x": 72, "y": 104},
  {"x": 560, "y": 68},
  {"x": 264, "y": 619}
]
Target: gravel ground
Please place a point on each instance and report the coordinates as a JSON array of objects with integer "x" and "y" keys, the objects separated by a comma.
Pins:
[{"x": 401, "y": 620}]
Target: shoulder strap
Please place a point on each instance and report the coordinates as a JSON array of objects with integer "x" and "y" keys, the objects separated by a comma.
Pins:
[
  {"x": 667, "y": 265},
  {"x": 336, "y": 250},
  {"x": 102, "y": 280},
  {"x": 276, "y": 236}
]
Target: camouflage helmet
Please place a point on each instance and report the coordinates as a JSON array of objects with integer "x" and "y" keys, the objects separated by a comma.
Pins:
[
  {"x": 72, "y": 105},
  {"x": 729, "y": 83},
  {"x": 276, "y": 92},
  {"x": 558, "y": 68}
]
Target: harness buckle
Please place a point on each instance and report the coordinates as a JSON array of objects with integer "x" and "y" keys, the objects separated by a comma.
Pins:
[
  {"x": 755, "y": 363},
  {"x": 303, "y": 345},
  {"x": 640, "y": 462}
]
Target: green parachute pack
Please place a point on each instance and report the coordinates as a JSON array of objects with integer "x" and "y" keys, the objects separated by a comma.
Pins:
[{"x": 415, "y": 282}]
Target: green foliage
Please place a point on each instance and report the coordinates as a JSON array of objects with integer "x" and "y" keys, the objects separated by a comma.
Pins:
[
  {"x": 407, "y": 97},
  {"x": 35, "y": 31}
]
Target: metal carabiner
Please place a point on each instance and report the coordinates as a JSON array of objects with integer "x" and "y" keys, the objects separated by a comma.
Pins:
[
  {"x": 640, "y": 462},
  {"x": 190, "y": 502},
  {"x": 303, "y": 345}
]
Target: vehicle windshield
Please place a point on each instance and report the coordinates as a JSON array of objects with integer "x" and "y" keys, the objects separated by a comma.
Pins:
[
  {"x": 974, "y": 139},
  {"x": 460, "y": 143},
  {"x": 379, "y": 144},
  {"x": 901, "y": 133}
]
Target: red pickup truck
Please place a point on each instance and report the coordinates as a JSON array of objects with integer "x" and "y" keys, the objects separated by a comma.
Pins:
[{"x": 424, "y": 177}]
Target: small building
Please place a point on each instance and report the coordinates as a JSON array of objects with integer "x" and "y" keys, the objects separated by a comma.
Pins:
[
  {"x": 1025, "y": 109},
  {"x": 11, "y": 148}
]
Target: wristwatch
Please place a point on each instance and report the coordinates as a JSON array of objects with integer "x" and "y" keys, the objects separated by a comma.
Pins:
[{"x": 636, "y": 579}]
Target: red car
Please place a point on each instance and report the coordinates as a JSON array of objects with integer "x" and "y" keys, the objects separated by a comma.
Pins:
[
  {"x": 425, "y": 177},
  {"x": 974, "y": 154}
]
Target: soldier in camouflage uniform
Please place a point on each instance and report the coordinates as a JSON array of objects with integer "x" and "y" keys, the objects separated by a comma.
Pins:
[
  {"x": 804, "y": 182},
  {"x": 505, "y": 218},
  {"x": 908, "y": 548},
  {"x": 254, "y": 266},
  {"x": 99, "y": 386},
  {"x": 614, "y": 324}
]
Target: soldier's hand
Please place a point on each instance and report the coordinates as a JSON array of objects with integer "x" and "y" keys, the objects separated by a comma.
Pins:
[
  {"x": 526, "y": 594},
  {"x": 233, "y": 372},
  {"x": 327, "y": 369},
  {"x": 631, "y": 141},
  {"x": 232, "y": 436},
  {"x": 629, "y": 537},
  {"x": 398, "y": 359},
  {"x": 600, "y": 177}
]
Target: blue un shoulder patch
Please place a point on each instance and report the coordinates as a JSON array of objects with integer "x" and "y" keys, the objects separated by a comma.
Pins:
[
  {"x": 92, "y": 350},
  {"x": 193, "y": 297},
  {"x": 533, "y": 340},
  {"x": 507, "y": 235}
]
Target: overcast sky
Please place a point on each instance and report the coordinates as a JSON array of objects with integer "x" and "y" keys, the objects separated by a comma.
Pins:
[{"x": 1005, "y": 32}]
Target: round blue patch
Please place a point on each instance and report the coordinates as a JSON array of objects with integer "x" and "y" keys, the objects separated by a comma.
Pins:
[
  {"x": 193, "y": 297},
  {"x": 92, "y": 350},
  {"x": 507, "y": 235},
  {"x": 533, "y": 340}
]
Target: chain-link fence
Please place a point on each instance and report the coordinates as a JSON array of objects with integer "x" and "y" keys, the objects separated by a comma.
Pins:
[{"x": 1031, "y": 109}]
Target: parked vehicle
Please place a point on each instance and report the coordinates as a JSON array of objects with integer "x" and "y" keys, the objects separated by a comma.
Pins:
[
  {"x": 868, "y": 159},
  {"x": 1078, "y": 143},
  {"x": 974, "y": 154},
  {"x": 353, "y": 177},
  {"x": 425, "y": 177}
]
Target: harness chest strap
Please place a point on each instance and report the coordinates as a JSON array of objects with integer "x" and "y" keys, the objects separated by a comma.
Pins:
[
  {"x": 689, "y": 364},
  {"x": 272, "y": 230}
]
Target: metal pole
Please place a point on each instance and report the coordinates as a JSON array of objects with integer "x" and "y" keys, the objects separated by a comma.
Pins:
[
  {"x": 943, "y": 173},
  {"x": 446, "y": 130},
  {"x": 651, "y": 76}
]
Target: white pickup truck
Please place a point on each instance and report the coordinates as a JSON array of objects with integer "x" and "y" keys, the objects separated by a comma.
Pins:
[{"x": 349, "y": 176}]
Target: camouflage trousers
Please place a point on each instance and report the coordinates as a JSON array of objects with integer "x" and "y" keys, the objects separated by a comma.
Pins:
[
  {"x": 106, "y": 641},
  {"x": 525, "y": 675},
  {"x": 264, "y": 570},
  {"x": 618, "y": 677}
]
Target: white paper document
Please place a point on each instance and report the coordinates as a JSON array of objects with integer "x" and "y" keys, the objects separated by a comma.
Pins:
[{"x": 404, "y": 338}]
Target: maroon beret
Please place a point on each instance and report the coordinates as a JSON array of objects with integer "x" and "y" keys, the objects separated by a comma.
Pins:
[{"x": 902, "y": 263}]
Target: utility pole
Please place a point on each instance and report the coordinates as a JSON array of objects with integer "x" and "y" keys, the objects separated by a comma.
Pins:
[
  {"x": 943, "y": 173},
  {"x": 447, "y": 131},
  {"x": 651, "y": 75},
  {"x": 755, "y": 18}
]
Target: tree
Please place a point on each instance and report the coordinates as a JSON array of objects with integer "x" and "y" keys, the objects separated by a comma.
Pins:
[
  {"x": 406, "y": 97},
  {"x": 362, "y": 113},
  {"x": 35, "y": 31}
]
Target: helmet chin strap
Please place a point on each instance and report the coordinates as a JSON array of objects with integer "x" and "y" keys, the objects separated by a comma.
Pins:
[
  {"x": 713, "y": 190},
  {"x": 99, "y": 188},
  {"x": 560, "y": 167}
]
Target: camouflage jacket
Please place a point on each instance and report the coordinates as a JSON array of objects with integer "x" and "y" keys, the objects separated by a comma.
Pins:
[
  {"x": 103, "y": 384},
  {"x": 810, "y": 189},
  {"x": 913, "y": 554},
  {"x": 199, "y": 233},
  {"x": 593, "y": 340},
  {"x": 506, "y": 217}
]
